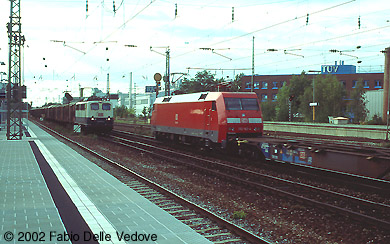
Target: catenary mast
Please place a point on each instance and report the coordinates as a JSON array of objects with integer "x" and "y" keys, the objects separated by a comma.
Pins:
[{"x": 14, "y": 86}]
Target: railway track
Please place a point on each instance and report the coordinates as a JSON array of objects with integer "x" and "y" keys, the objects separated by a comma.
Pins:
[
  {"x": 357, "y": 182},
  {"x": 208, "y": 224},
  {"x": 342, "y": 146},
  {"x": 371, "y": 212},
  {"x": 346, "y": 147},
  {"x": 349, "y": 148}
]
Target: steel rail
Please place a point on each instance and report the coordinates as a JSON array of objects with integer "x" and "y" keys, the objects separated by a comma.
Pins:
[
  {"x": 356, "y": 215},
  {"x": 384, "y": 152},
  {"x": 381, "y": 186},
  {"x": 370, "y": 152},
  {"x": 257, "y": 174}
]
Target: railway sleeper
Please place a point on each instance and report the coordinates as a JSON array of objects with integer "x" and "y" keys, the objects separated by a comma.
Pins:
[
  {"x": 172, "y": 207},
  {"x": 218, "y": 235},
  {"x": 140, "y": 189},
  {"x": 186, "y": 215},
  {"x": 143, "y": 192},
  {"x": 208, "y": 229},
  {"x": 227, "y": 241},
  {"x": 134, "y": 185},
  {"x": 190, "y": 220},
  {"x": 150, "y": 194},
  {"x": 156, "y": 198},
  {"x": 178, "y": 211},
  {"x": 193, "y": 226},
  {"x": 162, "y": 204}
]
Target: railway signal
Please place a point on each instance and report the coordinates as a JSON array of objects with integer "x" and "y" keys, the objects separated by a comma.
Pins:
[{"x": 157, "y": 77}]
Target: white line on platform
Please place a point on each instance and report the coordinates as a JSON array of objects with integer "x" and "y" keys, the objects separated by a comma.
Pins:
[{"x": 92, "y": 216}]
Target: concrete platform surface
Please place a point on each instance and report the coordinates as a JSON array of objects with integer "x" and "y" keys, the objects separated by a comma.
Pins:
[{"x": 48, "y": 190}]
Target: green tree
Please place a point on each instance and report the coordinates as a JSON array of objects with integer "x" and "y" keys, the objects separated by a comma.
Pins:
[
  {"x": 146, "y": 113},
  {"x": 233, "y": 86},
  {"x": 295, "y": 90},
  {"x": 329, "y": 93},
  {"x": 123, "y": 112},
  {"x": 268, "y": 110},
  {"x": 236, "y": 84},
  {"x": 203, "y": 81},
  {"x": 282, "y": 106},
  {"x": 357, "y": 105}
]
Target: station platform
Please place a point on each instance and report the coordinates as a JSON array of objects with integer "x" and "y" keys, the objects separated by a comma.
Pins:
[
  {"x": 373, "y": 133},
  {"x": 51, "y": 194}
]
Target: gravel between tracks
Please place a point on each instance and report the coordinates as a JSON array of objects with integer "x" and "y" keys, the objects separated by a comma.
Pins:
[{"x": 269, "y": 216}]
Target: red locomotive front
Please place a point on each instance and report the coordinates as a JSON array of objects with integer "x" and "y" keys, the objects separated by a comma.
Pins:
[{"x": 207, "y": 117}]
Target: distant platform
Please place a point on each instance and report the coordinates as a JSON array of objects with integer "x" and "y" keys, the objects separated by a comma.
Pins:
[{"x": 374, "y": 133}]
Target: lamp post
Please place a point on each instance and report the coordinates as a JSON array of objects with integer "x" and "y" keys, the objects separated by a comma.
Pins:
[{"x": 314, "y": 104}]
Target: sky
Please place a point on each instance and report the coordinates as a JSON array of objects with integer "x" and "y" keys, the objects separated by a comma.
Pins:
[{"x": 68, "y": 47}]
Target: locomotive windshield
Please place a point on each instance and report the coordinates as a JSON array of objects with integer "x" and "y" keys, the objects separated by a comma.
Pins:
[
  {"x": 94, "y": 106},
  {"x": 235, "y": 103},
  {"x": 106, "y": 106}
]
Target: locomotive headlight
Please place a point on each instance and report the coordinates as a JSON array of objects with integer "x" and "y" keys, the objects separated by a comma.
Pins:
[
  {"x": 108, "y": 118},
  {"x": 92, "y": 118}
]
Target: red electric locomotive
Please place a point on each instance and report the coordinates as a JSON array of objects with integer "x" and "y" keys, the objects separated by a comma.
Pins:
[{"x": 207, "y": 118}]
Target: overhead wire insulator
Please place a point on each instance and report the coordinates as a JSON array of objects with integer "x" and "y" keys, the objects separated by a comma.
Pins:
[
  {"x": 113, "y": 6},
  {"x": 307, "y": 19},
  {"x": 232, "y": 14},
  {"x": 175, "y": 10},
  {"x": 359, "y": 22},
  {"x": 86, "y": 8}
]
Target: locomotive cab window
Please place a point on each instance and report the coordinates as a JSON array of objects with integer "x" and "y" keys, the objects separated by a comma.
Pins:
[
  {"x": 82, "y": 107},
  {"x": 213, "y": 106},
  {"x": 94, "y": 106},
  {"x": 233, "y": 103},
  {"x": 249, "y": 104},
  {"x": 106, "y": 106}
]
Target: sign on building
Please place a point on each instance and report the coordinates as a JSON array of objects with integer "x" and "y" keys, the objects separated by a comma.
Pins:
[
  {"x": 150, "y": 89},
  {"x": 338, "y": 69}
]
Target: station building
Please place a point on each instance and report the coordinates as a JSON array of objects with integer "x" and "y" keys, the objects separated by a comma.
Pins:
[{"x": 267, "y": 86}]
